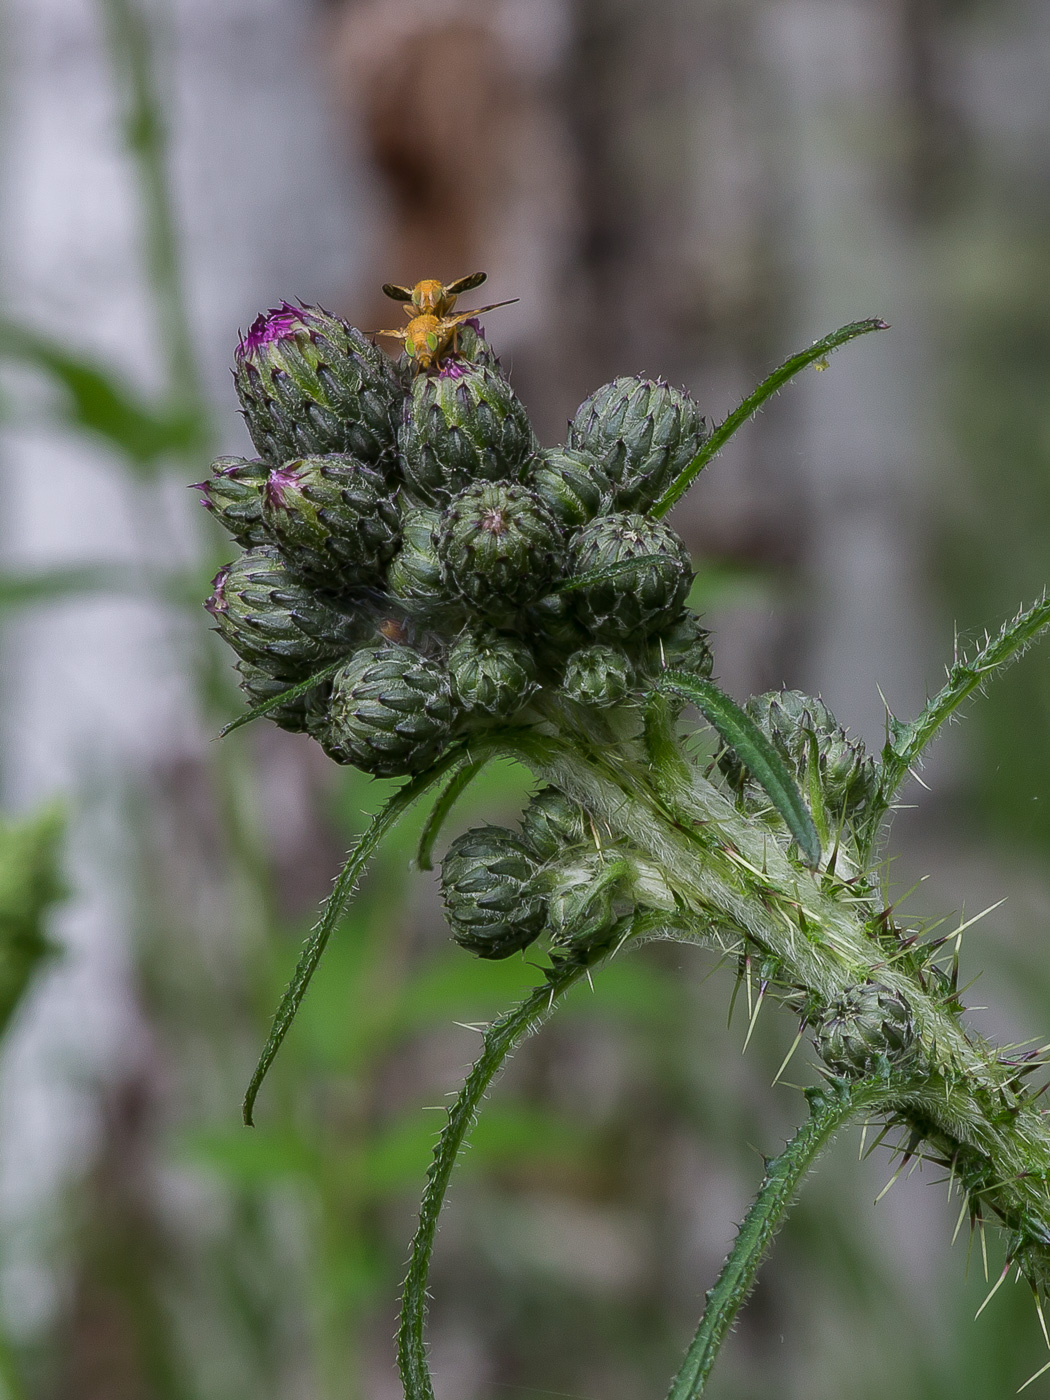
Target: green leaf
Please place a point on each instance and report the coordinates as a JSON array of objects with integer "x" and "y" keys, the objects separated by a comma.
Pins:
[
  {"x": 332, "y": 912},
  {"x": 99, "y": 402},
  {"x": 30, "y": 883},
  {"x": 608, "y": 571},
  {"x": 906, "y": 742},
  {"x": 755, "y": 751},
  {"x": 457, "y": 785},
  {"x": 754, "y": 401},
  {"x": 275, "y": 701}
]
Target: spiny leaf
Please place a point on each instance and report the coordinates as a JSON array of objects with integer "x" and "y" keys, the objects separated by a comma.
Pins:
[
  {"x": 906, "y": 742},
  {"x": 332, "y": 912},
  {"x": 283, "y": 698},
  {"x": 754, "y": 402},
  {"x": 457, "y": 785},
  {"x": 755, "y": 751}
]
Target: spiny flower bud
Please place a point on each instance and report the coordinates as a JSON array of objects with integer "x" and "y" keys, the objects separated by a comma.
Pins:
[
  {"x": 310, "y": 384},
  {"x": 499, "y": 546},
  {"x": 642, "y": 433},
  {"x": 333, "y": 519},
  {"x": 597, "y": 675},
  {"x": 233, "y": 494},
  {"x": 297, "y": 715},
  {"x": 552, "y": 823},
  {"x": 390, "y": 713},
  {"x": 492, "y": 675},
  {"x": 487, "y": 885},
  {"x": 570, "y": 484},
  {"x": 276, "y": 622},
  {"x": 461, "y": 425},
  {"x": 635, "y": 601},
  {"x": 868, "y": 1031}
]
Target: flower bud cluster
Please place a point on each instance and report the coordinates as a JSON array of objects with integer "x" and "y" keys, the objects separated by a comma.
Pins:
[
  {"x": 410, "y": 527},
  {"x": 870, "y": 1030}
]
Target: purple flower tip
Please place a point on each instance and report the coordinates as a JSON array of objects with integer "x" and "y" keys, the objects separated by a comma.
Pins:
[
  {"x": 217, "y": 602},
  {"x": 280, "y": 481},
  {"x": 275, "y": 324},
  {"x": 453, "y": 369}
]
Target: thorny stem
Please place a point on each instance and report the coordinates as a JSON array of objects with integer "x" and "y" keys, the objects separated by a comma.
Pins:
[{"x": 829, "y": 1109}]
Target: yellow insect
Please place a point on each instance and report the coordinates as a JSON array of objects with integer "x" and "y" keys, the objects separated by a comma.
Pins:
[{"x": 432, "y": 330}]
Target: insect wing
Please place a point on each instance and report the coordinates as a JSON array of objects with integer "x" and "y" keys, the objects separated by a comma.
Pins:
[
  {"x": 464, "y": 284},
  {"x": 466, "y": 315},
  {"x": 395, "y": 293}
]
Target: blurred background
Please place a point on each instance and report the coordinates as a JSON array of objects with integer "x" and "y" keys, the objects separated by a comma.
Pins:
[{"x": 691, "y": 188}]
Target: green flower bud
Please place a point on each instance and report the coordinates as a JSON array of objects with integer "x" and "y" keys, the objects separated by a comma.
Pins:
[
  {"x": 597, "y": 675},
  {"x": 414, "y": 575},
  {"x": 580, "y": 903},
  {"x": 233, "y": 494},
  {"x": 553, "y": 823},
  {"x": 492, "y": 675},
  {"x": 868, "y": 1031},
  {"x": 554, "y": 631},
  {"x": 297, "y": 715},
  {"x": 310, "y": 384},
  {"x": 333, "y": 519},
  {"x": 499, "y": 547},
  {"x": 278, "y": 623},
  {"x": 642, "y": 433},
  {"x": 631, "y": 602},
  {"x": 570, "y": 484},
  {"x": 390, "y": 712},
  {"x": 461, "y": 425},
  {"x": 487, "y": 885},
  {"x": 681, "y": 647}
]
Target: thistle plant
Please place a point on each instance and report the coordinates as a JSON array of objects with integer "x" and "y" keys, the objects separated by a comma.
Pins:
[{"x": 423, "y": 590}]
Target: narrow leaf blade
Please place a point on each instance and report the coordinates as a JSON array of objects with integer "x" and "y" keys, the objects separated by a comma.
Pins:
[
  {"x": 457, "y": 785},
  {"x": 275, "y": 701},
  {"x": 754, "y": 750},
  {"x": 332, "y": 912},
  {"x": 754, "y": 401}
]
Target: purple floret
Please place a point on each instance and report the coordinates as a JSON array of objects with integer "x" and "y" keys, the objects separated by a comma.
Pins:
[
  {"x": 280, "y": 480},
  {"x": 280, "y": 321}
]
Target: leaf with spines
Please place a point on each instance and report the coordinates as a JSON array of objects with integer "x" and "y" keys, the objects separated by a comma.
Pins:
[
  {"x": 906, "y": 742},
  {"x": 755, "y": 751},
  {"x": 754, "y": 401},
  {"x": 333, "y": 911}
]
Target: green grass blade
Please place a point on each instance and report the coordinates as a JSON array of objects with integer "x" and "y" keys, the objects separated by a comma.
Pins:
[
  {"x": 457, "y": 785},
  {"x": 275, "y": 701},
  {"x": 906, "y": 742},
  {"x": 98, "y": 401},
  {"x": 755, "y": 751},
  {"x": 754, "y": 401},
  {"x": 333, "y": 911}
]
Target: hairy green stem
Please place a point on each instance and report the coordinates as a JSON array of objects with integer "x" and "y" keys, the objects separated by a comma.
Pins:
[{"x": 830, "y": 1107}]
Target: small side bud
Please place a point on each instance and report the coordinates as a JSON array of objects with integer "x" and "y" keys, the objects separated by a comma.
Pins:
[
  {"x": 488, "y": 885},
  {"x": 870, "y": 1030},
  {"x": 597, "y": 676},
  {"x": 552, "y": 823}
]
